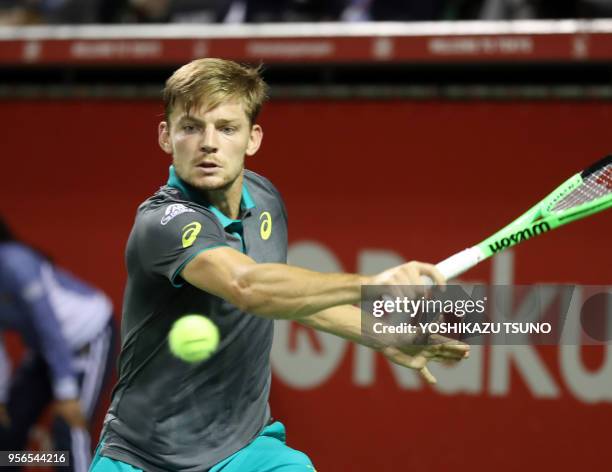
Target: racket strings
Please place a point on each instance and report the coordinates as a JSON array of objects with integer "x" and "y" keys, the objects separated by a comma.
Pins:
[{"x": 595, "y": 186}]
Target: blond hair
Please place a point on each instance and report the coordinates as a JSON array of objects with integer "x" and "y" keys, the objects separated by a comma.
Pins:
[{"x": 212, "y": 81}]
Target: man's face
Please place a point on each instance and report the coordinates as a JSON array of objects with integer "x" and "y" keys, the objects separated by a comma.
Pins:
[{"x": 208, "y": 146}]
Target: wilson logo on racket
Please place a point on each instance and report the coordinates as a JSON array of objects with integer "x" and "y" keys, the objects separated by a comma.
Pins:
[{"x": 519, "y": 236}]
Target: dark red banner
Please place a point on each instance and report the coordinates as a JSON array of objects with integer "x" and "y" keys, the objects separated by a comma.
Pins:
[{"x": 140, "y": 46}]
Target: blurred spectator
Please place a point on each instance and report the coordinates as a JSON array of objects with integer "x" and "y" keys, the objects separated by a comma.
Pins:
[
  {"x": 135, "y": 11},
  {"x": 29, "y": 12},
  {"x": 393, "y": 10},
  {"x": 68, "y": 330},
  {"x": 211, "y": 11},
  {"x": 18, "y": 12},
  {"x": 151, "y": 10},
  {"x": 357, "y": 10},
  {"x": 545, "y": 9},
  {"x": 508, "y": 10},
  {"x": 162, "y": 11}
]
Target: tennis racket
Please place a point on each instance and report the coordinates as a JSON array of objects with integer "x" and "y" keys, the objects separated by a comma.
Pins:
[{"x": 584, "y": 194}]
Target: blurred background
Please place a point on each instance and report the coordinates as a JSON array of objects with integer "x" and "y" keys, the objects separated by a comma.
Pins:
[
  {"x": 396, "y": 130},
  {"x": 265, "y": 11}
]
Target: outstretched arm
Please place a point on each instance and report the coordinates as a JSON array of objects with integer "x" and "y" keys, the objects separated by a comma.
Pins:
[{"x": 285, "y": 291}]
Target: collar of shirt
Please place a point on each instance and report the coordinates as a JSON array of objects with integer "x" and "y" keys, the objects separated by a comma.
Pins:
[{"x": 246, "y": 203}]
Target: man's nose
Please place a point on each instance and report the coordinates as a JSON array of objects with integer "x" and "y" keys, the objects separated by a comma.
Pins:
[{"x": 208, "y": 143}]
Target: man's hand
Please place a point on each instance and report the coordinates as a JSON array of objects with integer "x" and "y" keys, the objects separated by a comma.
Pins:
[
  {"x": 438, "y": 349},
  {"x": 409, "y": 274},
  {"x": 5, "y": 419},
  {"x": 70, "y": 411}
]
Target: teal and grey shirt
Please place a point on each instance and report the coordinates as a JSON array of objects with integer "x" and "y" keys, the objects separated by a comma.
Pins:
[{"x": 165, "y": 414}]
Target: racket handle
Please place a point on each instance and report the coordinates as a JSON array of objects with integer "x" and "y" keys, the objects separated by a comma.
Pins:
[
  {"x": 427, "y": 281},
  {"x": 457, "y": 264}
]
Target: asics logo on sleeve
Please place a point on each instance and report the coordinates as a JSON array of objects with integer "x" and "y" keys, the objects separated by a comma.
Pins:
[
  {"x": 265, "y": 230},
  {"x": 190, "y": 233}
]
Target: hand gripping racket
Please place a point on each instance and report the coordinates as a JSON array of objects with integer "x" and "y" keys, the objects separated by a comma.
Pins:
[{"x": 584, "y": 194}]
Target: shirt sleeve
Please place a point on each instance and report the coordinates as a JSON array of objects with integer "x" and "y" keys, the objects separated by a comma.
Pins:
[
  {"x": 34, "y": 302},
  {"x": 165, "y": 246}
]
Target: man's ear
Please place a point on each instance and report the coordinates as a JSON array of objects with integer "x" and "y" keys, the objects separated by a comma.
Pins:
[
  {"x": 163, "y": 135},
  {"x": 254, "y": 140}
]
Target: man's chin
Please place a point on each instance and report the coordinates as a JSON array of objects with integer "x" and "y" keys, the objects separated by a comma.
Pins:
[{"x": 208, "y": 184}]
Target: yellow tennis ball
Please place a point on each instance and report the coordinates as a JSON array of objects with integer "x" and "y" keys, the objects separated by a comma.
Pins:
[{"x": 193, "y": 338}]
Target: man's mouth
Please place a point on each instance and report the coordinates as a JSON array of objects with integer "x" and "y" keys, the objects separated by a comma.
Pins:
[{"x": 207, "y": 165}]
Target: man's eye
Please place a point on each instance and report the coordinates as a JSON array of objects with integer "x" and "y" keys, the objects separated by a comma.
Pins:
[
  {"x": 189, "y": 128},
  {"x": 228, "y": 130}
]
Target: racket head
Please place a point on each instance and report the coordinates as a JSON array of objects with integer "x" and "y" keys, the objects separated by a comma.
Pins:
[
  {"x": 582, "y": 195},
  {"x": 586, "y": 193}
]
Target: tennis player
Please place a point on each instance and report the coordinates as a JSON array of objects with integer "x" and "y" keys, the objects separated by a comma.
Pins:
[{"x": 214, "y": 241}]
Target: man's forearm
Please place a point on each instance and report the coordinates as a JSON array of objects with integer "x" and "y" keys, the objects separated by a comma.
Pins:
[
  {"x": 344, "y": 321},
  {"x": 289, "y": 292},
  {"x": 270, "y": 290},
  {"x": 283, "y": 291}
]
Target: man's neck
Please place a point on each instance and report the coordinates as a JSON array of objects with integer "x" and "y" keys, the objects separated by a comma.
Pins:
[{"x": 227, "y": 200}]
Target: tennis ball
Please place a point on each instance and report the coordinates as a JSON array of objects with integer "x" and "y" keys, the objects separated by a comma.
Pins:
[{"x": 193, "y": 338}]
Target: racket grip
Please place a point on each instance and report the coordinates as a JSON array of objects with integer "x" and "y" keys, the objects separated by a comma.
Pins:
[
  {"x": 456, "y": 264},
  {"x": 427, "y": 281}
]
